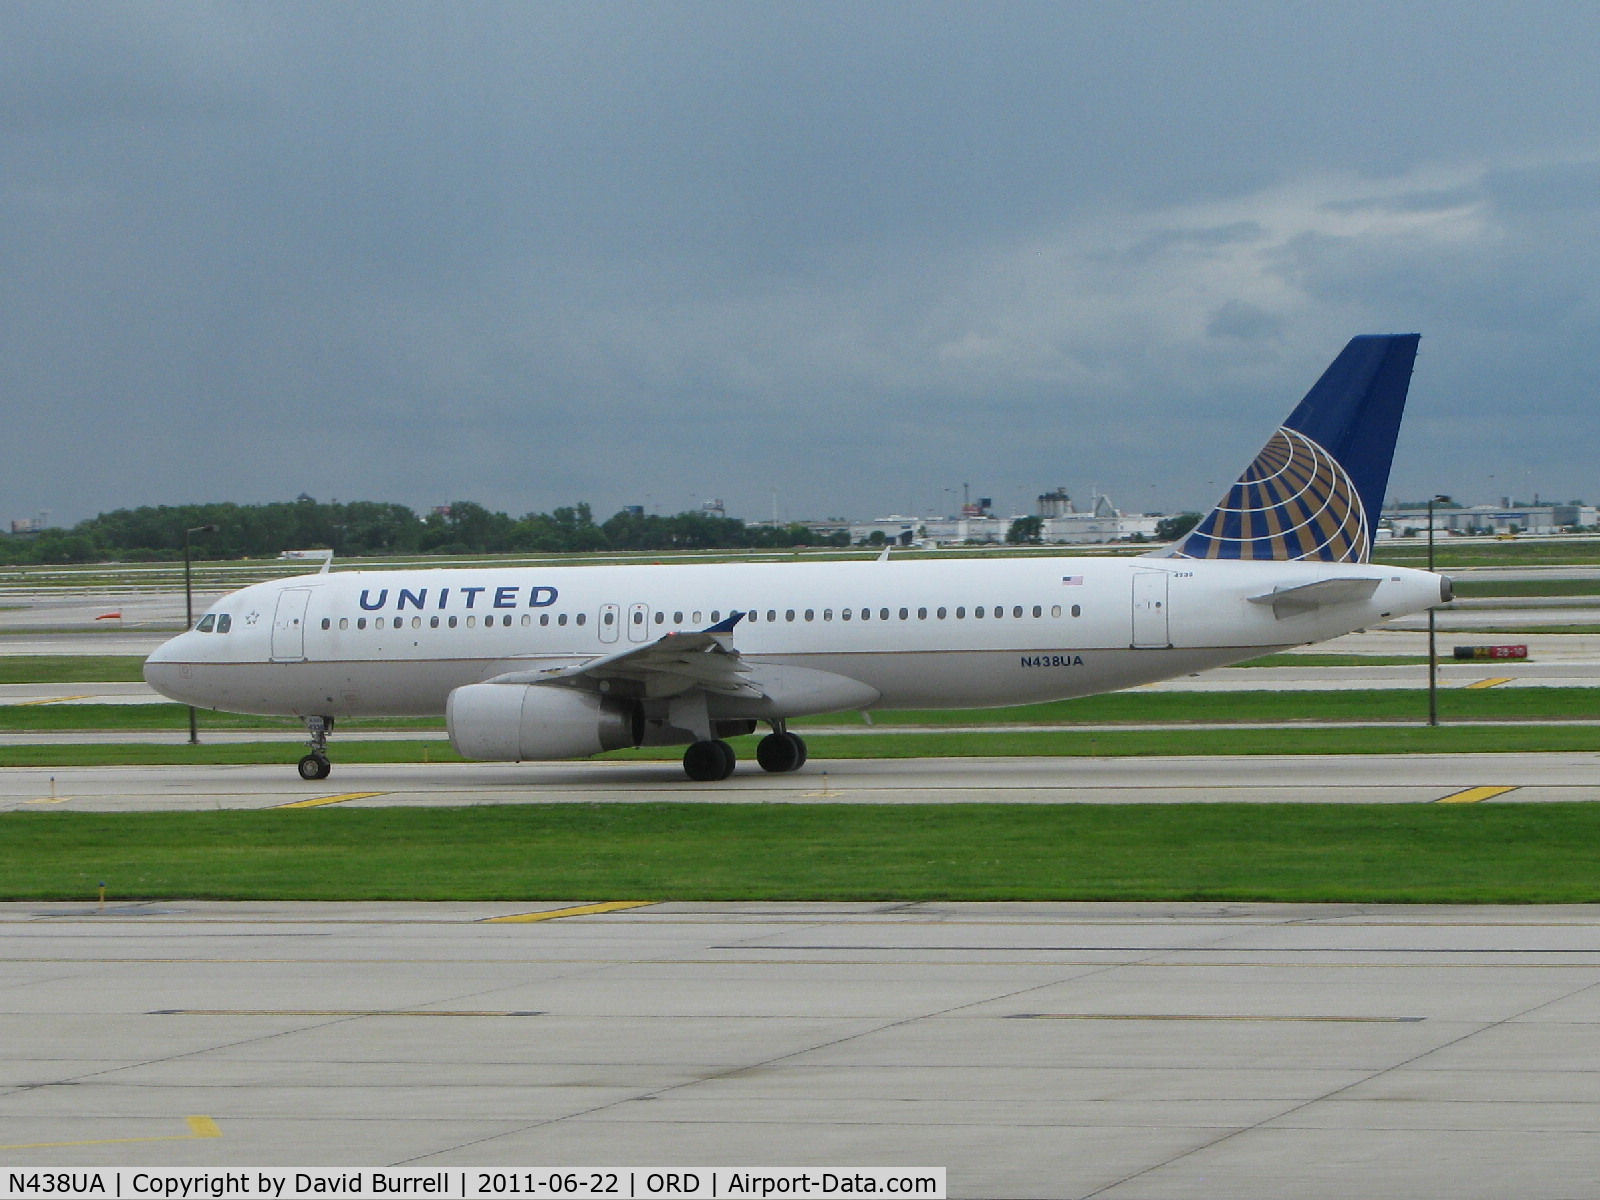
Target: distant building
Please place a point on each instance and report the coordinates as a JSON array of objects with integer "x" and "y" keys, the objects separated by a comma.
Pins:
[
  {"x": 27, "y": 525},
  {"x": 1492, "y": 519},
  {"x": 1063, "y": 524}
]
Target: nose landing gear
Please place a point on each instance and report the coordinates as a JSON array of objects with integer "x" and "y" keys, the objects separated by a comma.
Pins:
[{"x": 316, "y": 765}]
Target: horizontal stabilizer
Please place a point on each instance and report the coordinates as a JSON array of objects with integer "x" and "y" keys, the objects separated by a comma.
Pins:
[{"x": 1295, "y": 601}]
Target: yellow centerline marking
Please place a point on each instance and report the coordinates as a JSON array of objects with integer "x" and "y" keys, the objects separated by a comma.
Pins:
[
  {"x": 581, "y": 910},
  {"x": 321, "y": 800},
  {"x": 48, "y": 700},
  {"x": 1488, "y": 683},
  {"x": 199, "y": 1127},
  {"x": 1474, "y": 795}
]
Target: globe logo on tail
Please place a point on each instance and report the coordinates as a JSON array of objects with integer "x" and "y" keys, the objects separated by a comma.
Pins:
[{"x": 1293, "y": 502}]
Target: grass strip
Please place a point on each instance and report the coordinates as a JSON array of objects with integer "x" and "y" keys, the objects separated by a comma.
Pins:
[
  {"x": 71, "y": 668},
  {"x": 1133, "y": 707},
  {"x": 1510, "y": 854},
  {"x": 1072, "y": 743}
]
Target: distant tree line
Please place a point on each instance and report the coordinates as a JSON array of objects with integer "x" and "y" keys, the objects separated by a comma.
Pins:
[{"x": 367, "y": 528}]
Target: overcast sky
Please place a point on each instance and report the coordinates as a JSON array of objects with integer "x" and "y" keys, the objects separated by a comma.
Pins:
[{"x": 845, "y": 255}]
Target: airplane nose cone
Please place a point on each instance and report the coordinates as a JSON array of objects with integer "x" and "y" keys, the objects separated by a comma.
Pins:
[{"x": 164, "y": 674}]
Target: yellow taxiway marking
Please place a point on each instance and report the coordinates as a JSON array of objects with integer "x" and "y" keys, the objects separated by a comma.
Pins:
[
  {"x": 199, "y": 1127},
  {"x": 1474, "y": 795},
  {"x": 342, "y": 1012},
  {"x": 1488, "y": 683},
  {"x": 48, "y": 700},
  {"x": 319, "y": 801},
  {"x": 1195, "y": 1017},
  {"x": 581, "y": 910}
]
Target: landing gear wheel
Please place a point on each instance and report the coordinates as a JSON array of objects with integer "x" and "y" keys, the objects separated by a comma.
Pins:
[
  {"x": 781, "y": 752},
  {"x": 708, "y": 761},
  {"x": 314, "y": 766}
]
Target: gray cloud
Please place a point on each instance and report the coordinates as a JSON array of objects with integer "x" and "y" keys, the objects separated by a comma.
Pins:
[{"x": 651, "y": 252}]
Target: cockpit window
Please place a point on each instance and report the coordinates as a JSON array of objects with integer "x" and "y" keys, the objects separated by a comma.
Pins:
[
  {"x": 224, "y": 623},
  {"x": 207, "y": 622}
]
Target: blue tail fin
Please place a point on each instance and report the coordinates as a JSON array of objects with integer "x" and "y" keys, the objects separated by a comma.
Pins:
[{"x": 1316, "y": 489}]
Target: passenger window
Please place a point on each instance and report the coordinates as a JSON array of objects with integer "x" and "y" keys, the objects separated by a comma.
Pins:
[
  {"x": 695, "y": 617},
  {"x": 344, "y": 622},
  {"x": 844, "y": 614},
  {"x": 661, "y": 618},
  {"x": 472, "y": 622},
  {"x": 677, "y": 618},
  {"x": 207, "y": 623},
  {"x": 772, "y": 614},
  {"x": 788, "y": 615},
  {"x": 810, "y": 613},
  {"x": 1038, "y": 611},
  {"x": 361, "y": 622},
  {"x": 1016, "y": 610},
  {"x": 326, "y": 624},
  {"x": 433, "y": 622},
  {"x": 452, "y": 622},
  {"x": 827, "y": 614},
  {"x": 1076, "y": 611},
  {"x": 905, "y": 613},
  {"x": 961, "y": 613},
  {"x": 416, "y": 622},
  {"x": 610, "y": 618},
  {"x": 638, "y": 619},
  {"x": 716, "y": 615},
  {"x": 922, "y": 614},
  {"x": 544, "y": 618},
  {"x": 527, "y": 620},
  {"x": 582, "y": 618},
  {"x": 561, "y": 618},
  {"x": 941, "y": 614},
  {"x": 1055, "y": 610},
  {"x": 977, "y": 612}
]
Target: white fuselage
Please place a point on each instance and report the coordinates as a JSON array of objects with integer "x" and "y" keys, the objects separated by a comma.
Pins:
[{"x": 920, "y": 633}]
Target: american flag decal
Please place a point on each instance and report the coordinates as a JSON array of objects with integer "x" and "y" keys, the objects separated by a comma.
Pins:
[{"x": 1071, "y": 580}]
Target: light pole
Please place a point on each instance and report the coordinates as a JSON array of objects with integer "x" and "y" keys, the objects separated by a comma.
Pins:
[
  {"x": 188, "y": 610},
  {"x": 1433, "y": 642}
]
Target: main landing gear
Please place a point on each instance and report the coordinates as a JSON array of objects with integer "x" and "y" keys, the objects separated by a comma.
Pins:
[
  {"x": 712, "y": 759},
  {"x": 316, "y": 765}
]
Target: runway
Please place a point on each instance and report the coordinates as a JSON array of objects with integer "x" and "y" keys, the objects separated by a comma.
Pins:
[
  {"x": 1124, "y": 1051},
  {"x": 1262, "y": 779}
]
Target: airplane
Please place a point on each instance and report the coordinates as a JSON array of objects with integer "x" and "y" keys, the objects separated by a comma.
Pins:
[{"x": 542, "y": 663}]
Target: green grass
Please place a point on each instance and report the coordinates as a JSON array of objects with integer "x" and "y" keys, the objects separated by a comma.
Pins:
[
  {"x": 1115, "y": 743},
  {"x": 1287, "y": 853},
  {"x": 1136, "y": 707},
  {"x": 57, "y": 717},
  {"x": 1472, "y": 589},
  {"x": 1335, "y": 660},
  {"x": 71, "y": 668},
  {"x": 1450, "y": 552}
]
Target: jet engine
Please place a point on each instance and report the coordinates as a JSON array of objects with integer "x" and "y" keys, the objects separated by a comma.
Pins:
[{"x": 511, "y": 722}]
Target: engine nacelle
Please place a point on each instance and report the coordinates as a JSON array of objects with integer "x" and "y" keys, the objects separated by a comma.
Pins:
[{"x": 511, "y": 722}]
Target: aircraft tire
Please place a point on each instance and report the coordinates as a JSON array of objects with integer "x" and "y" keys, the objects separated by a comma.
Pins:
[
  {"x": 781, "y": 752},
  {"x": 708, "y": 761},
  {"x": 314, "y": 766}
]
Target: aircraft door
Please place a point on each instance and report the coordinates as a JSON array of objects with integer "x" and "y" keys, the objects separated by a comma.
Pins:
[
  {"x": 1150, "y": 630},
  {"x": 610, "y": 620},
  {"x": 638, "y": 622},
  {"x": 289, "y": 625}
]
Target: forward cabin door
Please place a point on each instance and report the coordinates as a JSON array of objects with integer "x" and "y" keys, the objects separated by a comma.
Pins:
[
  {"x": 1150, "y": 630},
  {"x": 289, "y": 625}
]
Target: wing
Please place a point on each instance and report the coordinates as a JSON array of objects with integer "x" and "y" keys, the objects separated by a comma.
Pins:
[{"x": 670, "y": 666}]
